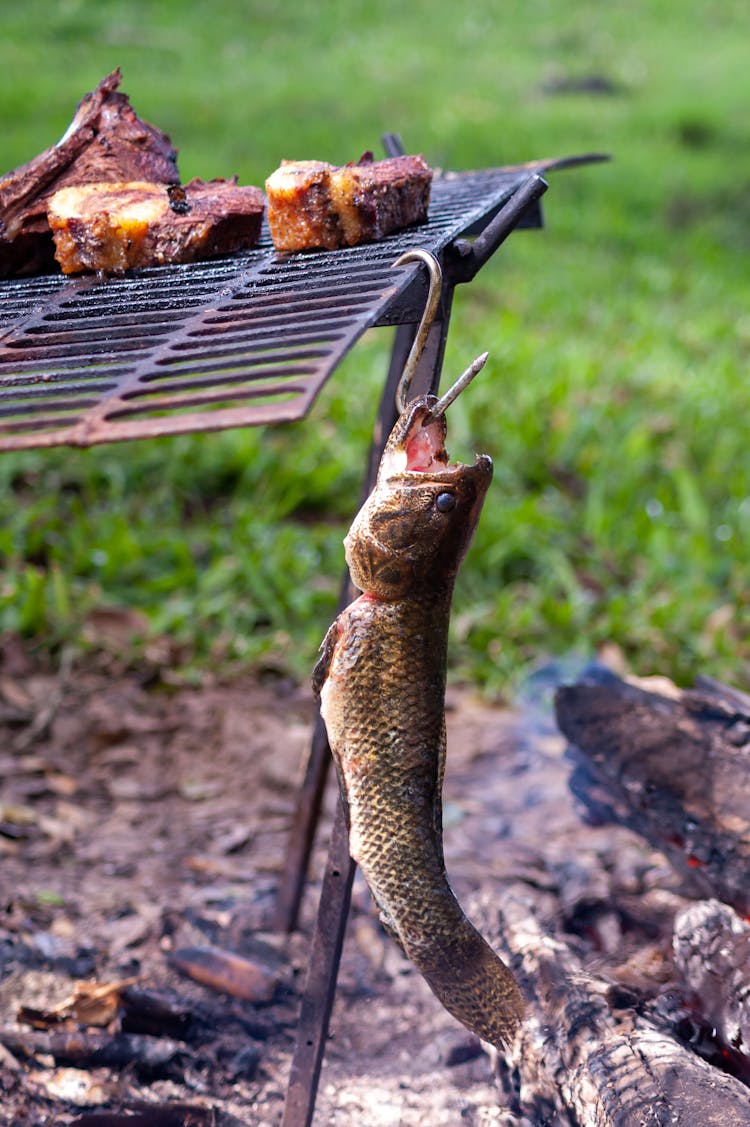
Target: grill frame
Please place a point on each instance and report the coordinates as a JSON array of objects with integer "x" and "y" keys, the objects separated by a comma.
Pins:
[{"x": 244, "y": 340}]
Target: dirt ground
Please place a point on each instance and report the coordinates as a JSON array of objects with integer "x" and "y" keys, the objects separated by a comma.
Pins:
[{"x": 142, "y": 820}]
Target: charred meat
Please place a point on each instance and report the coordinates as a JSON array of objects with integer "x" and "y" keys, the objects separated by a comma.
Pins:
[
  {"x": 115, "y": 227},
  {"x": 105, "y": 142},
  {"x": 312, "y": 204}
]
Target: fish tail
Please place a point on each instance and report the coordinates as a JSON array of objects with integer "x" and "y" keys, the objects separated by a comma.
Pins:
[{"x": 474, "y": 984}]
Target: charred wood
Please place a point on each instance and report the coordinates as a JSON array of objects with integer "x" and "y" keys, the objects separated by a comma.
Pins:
[
  {"x": 227, "y": 972},
  {"x": 672, "y": 765},
  {"x": 229, "y": 1053},
  {"x": 96, "y": 1048},
  {"x": 712, "y": 952},
  {"x": 158, "y": 1014},
  {"x": 590, "y": 1055},
  {"x": 158, "y": 1115}
]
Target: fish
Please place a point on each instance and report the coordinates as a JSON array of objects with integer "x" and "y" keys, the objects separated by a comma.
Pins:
[{"x": 380, "y": 680}]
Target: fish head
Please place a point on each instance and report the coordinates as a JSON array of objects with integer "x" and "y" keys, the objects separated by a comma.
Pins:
[{"x": 416, "y": 526}]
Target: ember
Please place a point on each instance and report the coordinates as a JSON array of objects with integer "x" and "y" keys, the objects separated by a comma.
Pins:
[{"x": 624, "y": 967}]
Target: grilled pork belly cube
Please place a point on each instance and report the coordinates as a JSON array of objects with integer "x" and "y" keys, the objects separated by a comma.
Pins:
[
  {"x": 300, "y": 213},
  {"x": 115, "y": 227},
  {"x": 313, "y": 204}
]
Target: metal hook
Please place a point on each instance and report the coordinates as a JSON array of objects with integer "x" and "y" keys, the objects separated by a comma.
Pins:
[{"x": 431, "y": 307}]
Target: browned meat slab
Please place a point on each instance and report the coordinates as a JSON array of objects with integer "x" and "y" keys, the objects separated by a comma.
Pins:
[
  {"x": 115, "y": 227},
  {"x": 105, "y": 142},
  {"x": 313, "y": 204}
]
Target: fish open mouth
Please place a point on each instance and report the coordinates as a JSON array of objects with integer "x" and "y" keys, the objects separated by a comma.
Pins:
[
  {"x": 425, "y": 447},
  {"x": 417, "y": 445}
]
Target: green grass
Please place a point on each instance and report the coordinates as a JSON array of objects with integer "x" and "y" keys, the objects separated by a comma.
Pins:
[{"x": 615, "y": 400}]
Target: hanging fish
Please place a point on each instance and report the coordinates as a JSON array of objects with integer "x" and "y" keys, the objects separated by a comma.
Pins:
[{"x": 381, "y": 682}]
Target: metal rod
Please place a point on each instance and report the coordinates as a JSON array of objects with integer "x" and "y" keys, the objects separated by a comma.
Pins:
[
  {"x": 302, "y": 834},
  {"x": 470, "y": 257},
  {"x": 393, "y": 145},
  {"x": 320, "y": 984}
]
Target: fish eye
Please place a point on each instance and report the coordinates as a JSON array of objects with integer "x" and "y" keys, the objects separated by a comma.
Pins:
[{"x": 445, "y": 502}]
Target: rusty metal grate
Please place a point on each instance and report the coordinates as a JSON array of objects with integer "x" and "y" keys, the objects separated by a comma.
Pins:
[{"x": 239, "y": 341}]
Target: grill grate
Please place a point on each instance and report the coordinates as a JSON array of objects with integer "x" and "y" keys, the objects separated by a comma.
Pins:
[{"x": 238, "y": 341}]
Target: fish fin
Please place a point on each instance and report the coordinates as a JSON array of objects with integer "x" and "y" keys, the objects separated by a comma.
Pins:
[
  {"x": 323, "y": 665},
  {"x": 437, "y": 806},
  {"x": 388, "y": 926},
  {"x": 343, "y": 795}
]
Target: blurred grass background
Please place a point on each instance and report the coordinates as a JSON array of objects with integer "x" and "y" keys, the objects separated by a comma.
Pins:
[{"x": 614, "y": 403}]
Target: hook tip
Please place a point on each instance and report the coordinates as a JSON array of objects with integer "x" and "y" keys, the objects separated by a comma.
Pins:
[{"x": 461, "y": 383}]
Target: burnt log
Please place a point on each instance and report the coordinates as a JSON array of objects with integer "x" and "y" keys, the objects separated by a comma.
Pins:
[
  {"x": 100, "y": 1049},
  {"x": 158, "y": 1115},
  {"x": 712, "y": 952},
  {"x": 591, "y": 1053},
  {"x": 672, "y": 765}
]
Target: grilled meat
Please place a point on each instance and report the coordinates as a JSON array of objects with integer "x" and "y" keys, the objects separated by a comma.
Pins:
[
  {"x": 105, "y": 142},
  {"x": 114, "y": 227},
  {"x": 314, "y": 204}
]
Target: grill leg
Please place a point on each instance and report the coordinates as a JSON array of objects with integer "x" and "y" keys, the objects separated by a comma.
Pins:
[
  {"x": 335, "y": 894},
  {"x": 322, "y": 971},
  {"x": 304, "y": 824}
]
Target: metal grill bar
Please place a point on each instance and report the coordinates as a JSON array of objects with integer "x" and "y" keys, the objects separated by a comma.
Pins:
[{"x": 239, "y": 341}]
